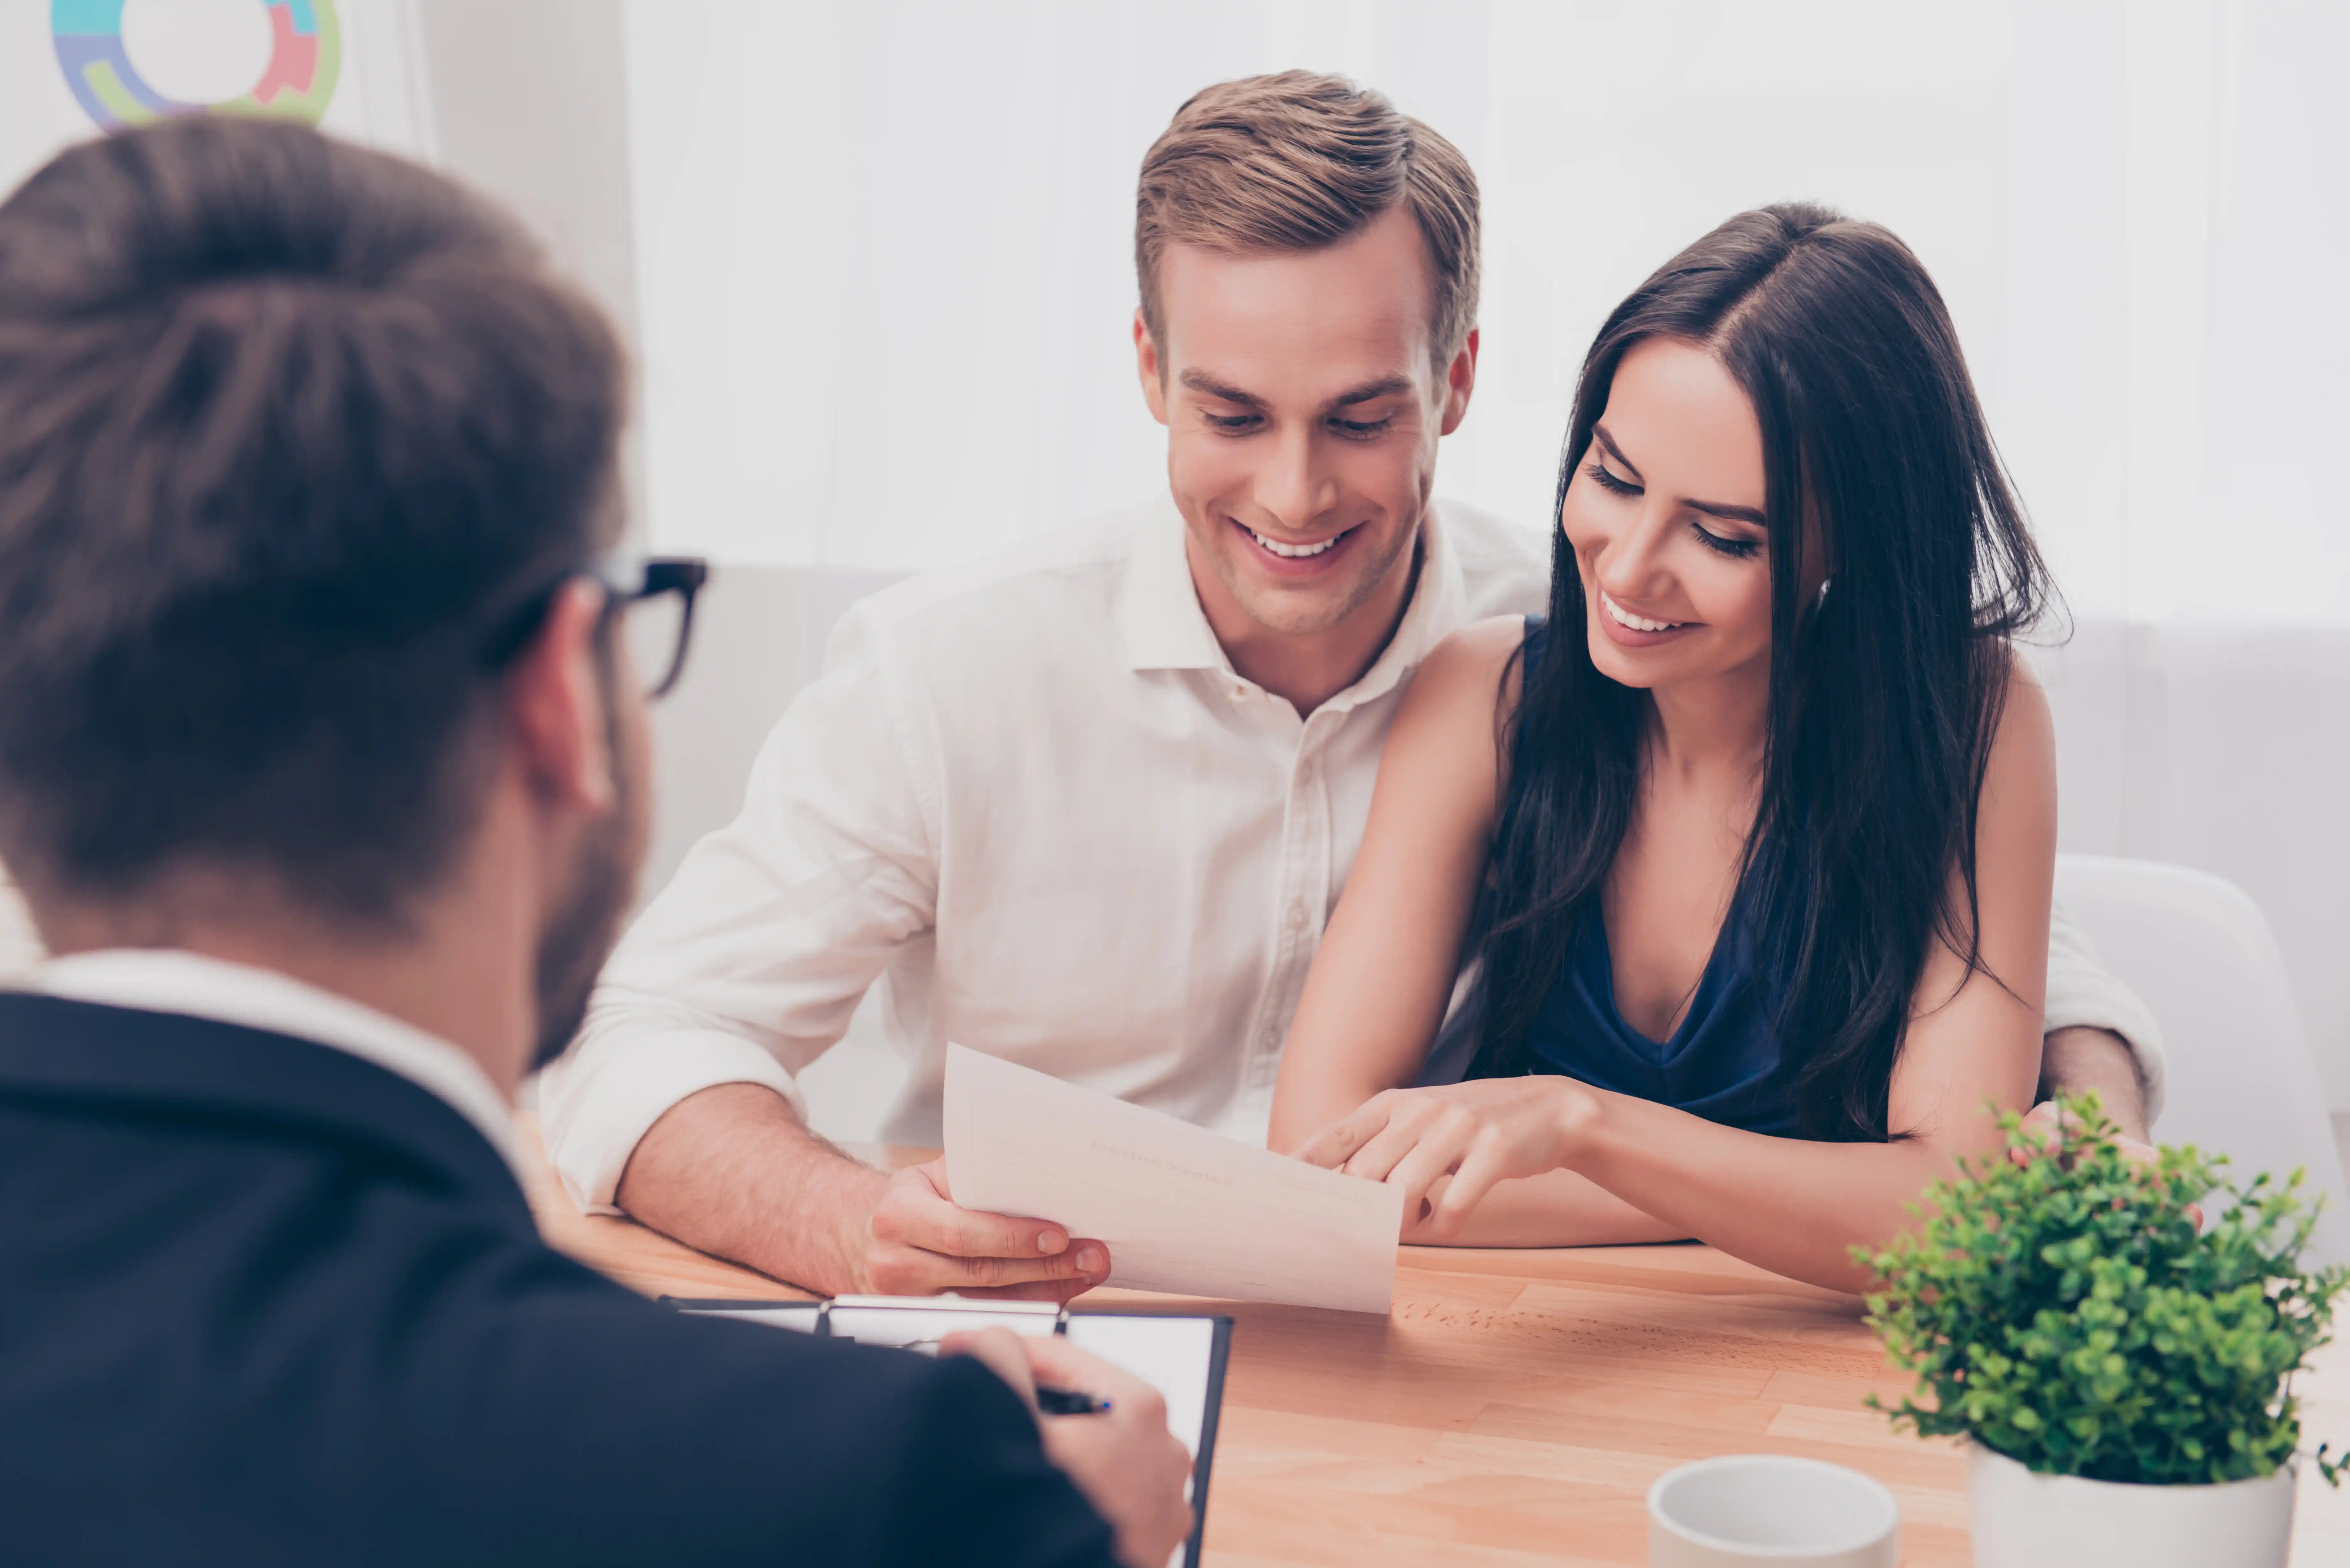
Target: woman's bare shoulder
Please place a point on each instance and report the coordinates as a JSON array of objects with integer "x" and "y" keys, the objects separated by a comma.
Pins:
[
  {"x": 1475, "y": 660},
  {"x": 1447, "y": 730},
  {"x": 2025, "y": 721}
]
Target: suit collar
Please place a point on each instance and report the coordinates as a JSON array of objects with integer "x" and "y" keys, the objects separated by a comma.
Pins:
[
  {"x": 197, "y": 985},
  {"x": 89, "y": 1054}
]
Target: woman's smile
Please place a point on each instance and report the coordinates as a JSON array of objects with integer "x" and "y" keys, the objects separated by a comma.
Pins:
[{"x": 1628, "y": 630}]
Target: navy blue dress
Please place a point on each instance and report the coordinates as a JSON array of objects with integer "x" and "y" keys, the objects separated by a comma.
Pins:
[{"x": 1724, "y": 1063}]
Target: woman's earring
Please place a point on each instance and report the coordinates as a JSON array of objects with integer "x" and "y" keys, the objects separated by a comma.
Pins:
[{"x": 1821, "y": 597}]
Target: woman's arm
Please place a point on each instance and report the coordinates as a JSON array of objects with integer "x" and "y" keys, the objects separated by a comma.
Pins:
[
  {"x": 1380, "y": 982},
  {"x": 1556, "y": 1209},
  {"x": 1791, "y": 1206}
]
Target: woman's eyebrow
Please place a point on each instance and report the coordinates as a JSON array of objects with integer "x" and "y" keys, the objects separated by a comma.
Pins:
[
  {"x": 1599, "y": 433},
  {"x": 1722, "y": 509}
]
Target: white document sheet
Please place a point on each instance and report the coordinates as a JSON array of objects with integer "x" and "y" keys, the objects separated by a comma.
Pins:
[{"x": 1180, "y": 1208}]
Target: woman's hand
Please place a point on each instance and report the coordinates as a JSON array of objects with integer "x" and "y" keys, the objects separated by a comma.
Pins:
[{"x": 1476, "y": 1133}]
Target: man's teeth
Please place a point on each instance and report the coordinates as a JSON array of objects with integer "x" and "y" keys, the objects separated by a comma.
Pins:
[
  {"x": 1637, "y": 623},
  {"x": 1295, "y": 552}
]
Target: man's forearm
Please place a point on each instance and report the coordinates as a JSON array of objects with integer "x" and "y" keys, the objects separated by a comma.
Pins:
[
  {"x": 2073, "y": 1060},
  {"x": 733, "y": 1171}
]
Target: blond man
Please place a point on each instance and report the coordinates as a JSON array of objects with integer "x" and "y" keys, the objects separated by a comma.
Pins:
[{"x": 1088, "y": 803}]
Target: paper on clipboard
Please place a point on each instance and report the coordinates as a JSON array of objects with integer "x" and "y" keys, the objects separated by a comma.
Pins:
[
  {"x": 1182, "y": 1209},
  {"x": 1182, "y": 1357}
]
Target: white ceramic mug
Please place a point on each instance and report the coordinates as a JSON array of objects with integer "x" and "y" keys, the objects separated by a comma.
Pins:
[{"x": 1747, "y": 1509}]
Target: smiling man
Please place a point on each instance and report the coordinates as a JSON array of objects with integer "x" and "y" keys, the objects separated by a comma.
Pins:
[
  {"x": 1303, "y": 394},
  {"x": 1088, "y": 804}
]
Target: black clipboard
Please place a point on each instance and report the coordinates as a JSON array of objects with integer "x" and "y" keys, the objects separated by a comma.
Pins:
[{"x": 1211, "y": 1409}]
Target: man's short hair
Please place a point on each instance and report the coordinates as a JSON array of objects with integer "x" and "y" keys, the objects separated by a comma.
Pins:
[
  {"x": 1299, "y": 162},
  {"x": 289, "y": 431}
]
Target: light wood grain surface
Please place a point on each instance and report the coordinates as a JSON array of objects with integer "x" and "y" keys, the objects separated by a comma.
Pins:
[{"x": 1517, "y": 1404}]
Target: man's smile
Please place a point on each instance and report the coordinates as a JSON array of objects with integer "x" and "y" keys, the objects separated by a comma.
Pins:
[{"x": 1294, "y": 555}]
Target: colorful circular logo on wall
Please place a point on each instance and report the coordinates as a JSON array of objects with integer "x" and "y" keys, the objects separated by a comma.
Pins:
[{"x": 304, "y": 63}]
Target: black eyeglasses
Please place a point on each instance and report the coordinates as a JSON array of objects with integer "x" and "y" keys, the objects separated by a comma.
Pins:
[{"x": 652, "y": 599}]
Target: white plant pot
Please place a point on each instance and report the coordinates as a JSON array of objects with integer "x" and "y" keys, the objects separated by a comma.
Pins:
[{"x": 2025, "y": 1521}]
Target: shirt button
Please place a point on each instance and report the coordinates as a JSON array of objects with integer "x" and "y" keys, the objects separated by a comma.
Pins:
[
  {"x": 1297, "y": 917},
  {"x": 1239, "y": 693}
]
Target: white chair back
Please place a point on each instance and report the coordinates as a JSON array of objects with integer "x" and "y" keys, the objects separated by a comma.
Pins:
[{"x": 2242, "y": 1081}]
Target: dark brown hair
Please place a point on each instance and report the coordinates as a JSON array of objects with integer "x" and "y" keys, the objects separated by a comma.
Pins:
[
  {"x": 1884, "y": 697},
  {"x": 1299, "y": 162},
  {"x": 287, "y": 429}
]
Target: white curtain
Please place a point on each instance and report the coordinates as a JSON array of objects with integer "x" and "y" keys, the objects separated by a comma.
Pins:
[{"x": 885, "y": 249}]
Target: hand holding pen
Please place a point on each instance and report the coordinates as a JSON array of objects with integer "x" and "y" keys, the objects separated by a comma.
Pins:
[
  {"x": 1121, "y": 1455},
  {"x": 1049, "y": 1400}
]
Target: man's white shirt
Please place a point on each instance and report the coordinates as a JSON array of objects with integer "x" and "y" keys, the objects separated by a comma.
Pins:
[{"x": 1035, "y": 794}]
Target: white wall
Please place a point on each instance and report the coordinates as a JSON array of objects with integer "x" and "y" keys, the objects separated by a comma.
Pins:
[{"x": 550, "y": 141}]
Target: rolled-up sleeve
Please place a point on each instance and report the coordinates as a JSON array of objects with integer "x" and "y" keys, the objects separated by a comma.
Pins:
[
  {"x": 2082, "y": 994},
  {"x": 750, "y": 964}
]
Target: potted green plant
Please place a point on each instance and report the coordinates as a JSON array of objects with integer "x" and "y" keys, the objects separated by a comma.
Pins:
[{"x": 2124, "y": 1374}]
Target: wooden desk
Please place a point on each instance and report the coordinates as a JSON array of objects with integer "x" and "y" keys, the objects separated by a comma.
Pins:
[{"x": 1517, "y": 1404}]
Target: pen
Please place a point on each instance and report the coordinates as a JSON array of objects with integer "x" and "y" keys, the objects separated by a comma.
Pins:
[
  {"x": 1049, "y": 1401},
  {"x": 1069, "y": 1402}
]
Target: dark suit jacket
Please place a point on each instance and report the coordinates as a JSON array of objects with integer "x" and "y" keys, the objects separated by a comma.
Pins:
[{"x": 264, "y": 1303}]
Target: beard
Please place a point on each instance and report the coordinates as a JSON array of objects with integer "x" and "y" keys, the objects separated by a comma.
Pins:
[{"x": 585, "y": 925}]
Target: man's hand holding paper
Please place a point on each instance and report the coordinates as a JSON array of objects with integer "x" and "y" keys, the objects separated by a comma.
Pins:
[
  {"x": 923, "y": 1243},
  {"x": 735, "y": 1164}
]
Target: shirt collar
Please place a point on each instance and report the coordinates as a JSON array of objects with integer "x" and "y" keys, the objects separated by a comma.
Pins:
[
  {"x": 196, "y": 986},
  {"x": 1163, "y": 626},
  {"x": 1159, "y": 613}
]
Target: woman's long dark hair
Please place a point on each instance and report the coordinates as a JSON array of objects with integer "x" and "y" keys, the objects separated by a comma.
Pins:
[{"x": 1884, "y": 696}]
